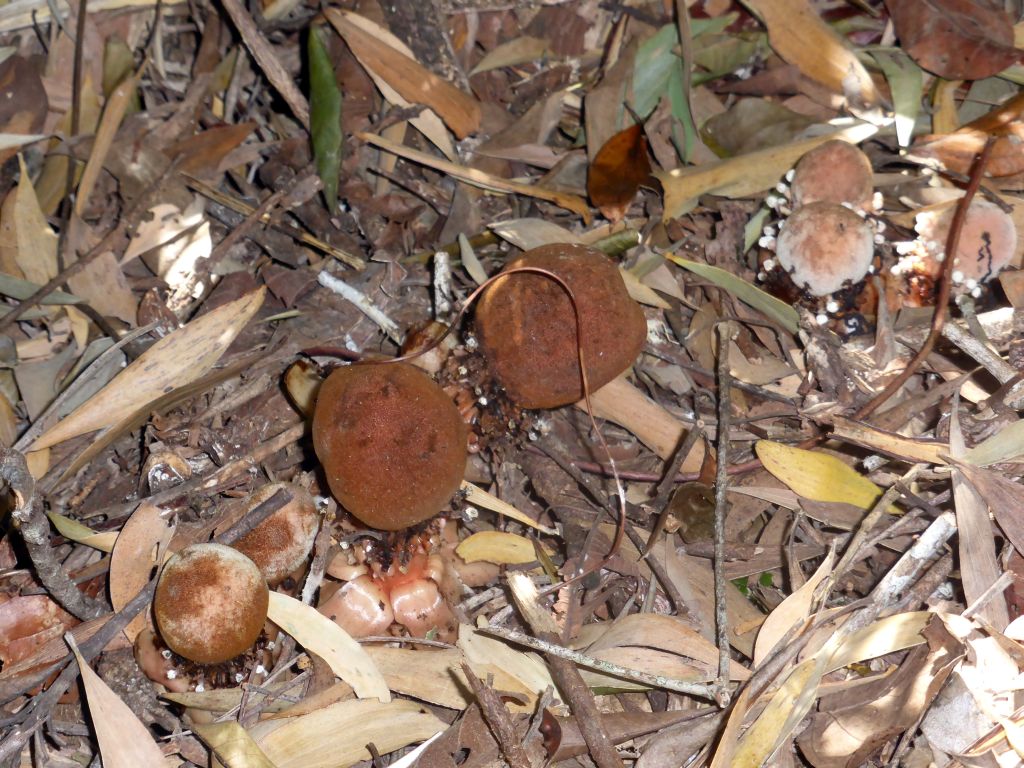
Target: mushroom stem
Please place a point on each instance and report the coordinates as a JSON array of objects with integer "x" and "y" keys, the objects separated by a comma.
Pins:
[{"x": 621, "y": 402}]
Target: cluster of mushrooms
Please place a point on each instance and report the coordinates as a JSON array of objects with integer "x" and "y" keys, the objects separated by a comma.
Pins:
[
  {"x": 393, "y": 443},
  {"x": 825, "y": 242},
  {"x": 393, "y": 447}
]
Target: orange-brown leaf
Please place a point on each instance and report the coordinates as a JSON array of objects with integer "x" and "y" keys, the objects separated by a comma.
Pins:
[
  {"x": 617, "y": 172},
  {"x": 955, "y": 39}
]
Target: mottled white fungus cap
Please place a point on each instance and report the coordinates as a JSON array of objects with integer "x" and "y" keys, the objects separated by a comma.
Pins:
[
  {"x": 834, "y": 172},
  {"x": 988, "y": 240},
  {"x": 825, "y": 246}
]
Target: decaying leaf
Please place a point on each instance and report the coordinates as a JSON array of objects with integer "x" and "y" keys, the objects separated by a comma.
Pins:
[
  {"x": 955, "y": 39},
  {"x": 174, "y": 361},
  {"x": 617, "y": 171}
]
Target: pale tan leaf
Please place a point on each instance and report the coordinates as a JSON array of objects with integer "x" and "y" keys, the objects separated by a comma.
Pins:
[
  {"x": 470, "y": 261},
  {"x": 1005, "y": 445},
  {"x": 893, "y": 633},
  {"x": 481, "y": 498},
  {"x": 337, "y": 736},
  {"x": 795, "y": 608},
  {"x": 526, "y": 668},
  {"x": 28, "y": 247},
  {"x": 427, "y": 122},
  {"x": 418, "y": 85},
  {"x": 104, "y": 286},
  {"x": 642, "y": 293},
  {"x": 12, "y": 140},
  {"x": 889, "y": 443},
  {"x": 979, "y": 567},
  {"x": 234, "y": 747},
  {"x": 743, "y": 175},
  {"x": 318, "y": 634},
  {"x": 125, "y": 742},
  {"x": 800, "y": 36},
  {"x": 532, "y": 232},
  {"x": 176, "y": 360},
  {"x": 518, "y": 51},
  {"x": 113, "y": 113},
  {"x": 140, "y": 548}
]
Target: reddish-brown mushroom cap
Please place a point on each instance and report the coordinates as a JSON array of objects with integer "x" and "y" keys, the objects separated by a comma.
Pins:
[
  {"x": 824, "y": 246},
  {"x": 834, "y": 172},
  {"x": 527, "y": 326},
  {"x": 210, "y": 603},
  {"x": 988, "y": 240},
  {"x": 391, "y": 442},
  {"x": 282, "y": 542}
]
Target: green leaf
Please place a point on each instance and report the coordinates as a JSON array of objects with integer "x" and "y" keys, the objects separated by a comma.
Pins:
[
  {"x": 777, "y": 310},
  {"x": 905, "y": 81},
  {"x": 324, "y": 117}
]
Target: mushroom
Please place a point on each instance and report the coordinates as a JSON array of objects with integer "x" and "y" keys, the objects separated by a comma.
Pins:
[
  {"x": 834, "y": 172},
  {"x": 527, "y": 326},
  {"x": 391, "y": 442},
  {"x": 824, "y": 247},
  {"x": 988, "y": 242},
  {"x": 210, "y": 603},
  {"x": 361, "y": 607},
  {"x": 282, "y": 542}
]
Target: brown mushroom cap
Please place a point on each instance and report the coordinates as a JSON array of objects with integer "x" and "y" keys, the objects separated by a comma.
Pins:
[
  {"x": 988, "y": 240},
  {"x": 391, "y": 442},
  {"x": 527, "y": 326},
  {"x": 210, "y": 603},
  {"x": 281, "y": 543},
  {"x": 834, "y": 172},
  {"x": 824, "y": 246}
]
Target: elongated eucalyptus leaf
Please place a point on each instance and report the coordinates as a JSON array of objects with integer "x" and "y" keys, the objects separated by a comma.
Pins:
[{"x": 324, "y": 116}]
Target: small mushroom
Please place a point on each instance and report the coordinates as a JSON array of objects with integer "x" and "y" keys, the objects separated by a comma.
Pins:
[
  {"x": 210, "y": 603},
  {"x": 361, "y": 607},
  {"x": 391, "y": 442},
  {"x": 527, "y": 326},
  {"x": 834, "y": 172},
  {"x": 988, "y": 242},
  {"x": 282, "y": 542},
  {"x": 824, "y": 247}
]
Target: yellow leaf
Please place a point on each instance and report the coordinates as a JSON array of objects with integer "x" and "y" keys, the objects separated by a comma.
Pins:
[
  {"x": 816, "y": 475},
  {"x": 497, "y": 547},
  {"x": 74, "y": 530},
  {"x": 124, "y": 741},
  {"x": 176, "y": 360},
  {"x": 233, "y": 745},
  {"x": 318, "y": 634}
]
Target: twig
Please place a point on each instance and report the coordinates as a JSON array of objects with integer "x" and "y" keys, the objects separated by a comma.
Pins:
[
  {"x": 362, "y": 303},
  {"x": 265, "y": 56},
  {"x": 600, "y": 665},
  {"x": 498, "y": 720},
  {"x": 726, "y": 333},
  {"x": 666, "y": 485},
  {"x": 32, "y": 524},
  {"x": 945, "y": 286},
  {"x": 570, "y": 683}
]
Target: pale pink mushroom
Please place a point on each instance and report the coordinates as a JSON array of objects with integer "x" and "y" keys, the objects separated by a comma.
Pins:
[
  {"x": 825, "y": 247},
  {"x": 834, "y": 172}
]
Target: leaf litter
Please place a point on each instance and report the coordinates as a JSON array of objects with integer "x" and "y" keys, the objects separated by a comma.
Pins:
[{"x": 796, "y": 542}]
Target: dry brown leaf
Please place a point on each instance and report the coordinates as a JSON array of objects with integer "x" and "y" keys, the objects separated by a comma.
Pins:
[
  {"x": 177, "y": 359},
  {"x": 979, "y": 567},
  {"x": 956, "y": 151},
  {"x": 27, "y": 623},
  {"x": 955, "y": 39},
  {"x": 415, "y": 83},
  {"x": 617, "y": 172},
  {"x": 138, "y": 551},
  {"x": 803, "y": 39},
  {"x": 103, "y": 285},
  {"x": 480, "y": 179},
  {"x": 202, "y": 154},
  {"x": 113, "y": 113}
]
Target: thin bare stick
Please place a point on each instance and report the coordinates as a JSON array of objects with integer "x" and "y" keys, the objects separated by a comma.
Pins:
[
  {"x": 726, "y": 334},
  {"x": 498, "y": 720}
]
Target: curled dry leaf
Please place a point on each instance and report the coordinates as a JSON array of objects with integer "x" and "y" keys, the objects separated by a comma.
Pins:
[
  {"x": 955, "y": 39},
  {"x": 620, "y": 167},
  {"x": 140, "y": 547},
  {"x": 956, "y": 151},
  {"x": 174, "y": 361}
]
